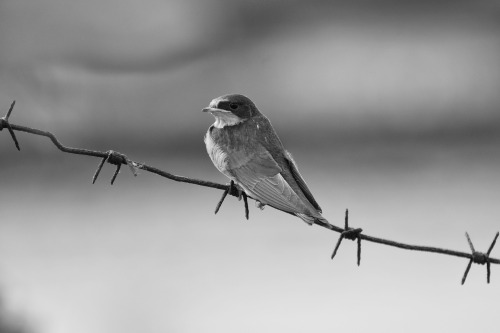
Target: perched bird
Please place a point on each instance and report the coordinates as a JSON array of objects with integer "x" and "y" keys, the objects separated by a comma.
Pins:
[{"x": 243, "y": 146}]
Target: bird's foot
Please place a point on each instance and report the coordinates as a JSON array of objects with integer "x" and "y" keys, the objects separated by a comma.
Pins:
[{"x": 259, "y": 205}]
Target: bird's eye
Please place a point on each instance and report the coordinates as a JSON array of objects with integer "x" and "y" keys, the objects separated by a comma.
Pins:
[{"x": 233, "y": 106}]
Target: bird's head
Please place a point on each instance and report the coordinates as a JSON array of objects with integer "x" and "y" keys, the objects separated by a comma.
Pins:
[{"x": 230, "y": 110}]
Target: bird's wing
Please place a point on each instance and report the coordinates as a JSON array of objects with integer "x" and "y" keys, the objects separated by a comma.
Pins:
[
  {"x": 259, "y": 175},
  {"x": 300, "y": 181}
]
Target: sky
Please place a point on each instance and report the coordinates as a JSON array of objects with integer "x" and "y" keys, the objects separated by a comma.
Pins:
[
  {"x": 351, "y": 68},
  {"x": 390, "y": 109}
]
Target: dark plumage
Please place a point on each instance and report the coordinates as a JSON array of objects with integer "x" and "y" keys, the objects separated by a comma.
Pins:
[{"x": 244, "y": 146}]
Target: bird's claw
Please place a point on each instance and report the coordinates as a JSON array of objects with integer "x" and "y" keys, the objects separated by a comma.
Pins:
[{"x": 259, "y": 205}]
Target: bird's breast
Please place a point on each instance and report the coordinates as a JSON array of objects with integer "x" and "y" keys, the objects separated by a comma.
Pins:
[
  {"x": 228, "y": 148},
  {"x": 217, "y": 151}
]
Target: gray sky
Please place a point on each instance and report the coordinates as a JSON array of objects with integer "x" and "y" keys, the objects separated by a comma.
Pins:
[{"x": 345, "y": 69}]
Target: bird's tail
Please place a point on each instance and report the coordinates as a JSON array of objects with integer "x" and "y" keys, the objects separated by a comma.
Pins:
[{"x": 311, "y": 219}]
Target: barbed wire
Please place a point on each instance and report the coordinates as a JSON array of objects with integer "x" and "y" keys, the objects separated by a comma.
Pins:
[{"x": 117, "y": 159}]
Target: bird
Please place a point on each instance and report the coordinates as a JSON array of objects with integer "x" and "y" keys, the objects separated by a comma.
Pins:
[{"x": 244, "y": 146}]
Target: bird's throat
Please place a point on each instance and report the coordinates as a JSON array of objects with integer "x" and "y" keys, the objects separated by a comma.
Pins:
[{"x": 226, "y": 119}]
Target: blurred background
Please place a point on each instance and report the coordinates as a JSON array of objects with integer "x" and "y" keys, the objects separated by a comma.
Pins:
[{"x": 389, "y": 107}]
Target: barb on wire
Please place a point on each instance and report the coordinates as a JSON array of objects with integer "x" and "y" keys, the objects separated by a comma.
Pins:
[
  {"x": 4, "y": 123},
  {"x": 479, "y": 258},
  {"x": 233, "y": 189},
  {"x": 351, "y": 234},
  {"x": 118, "y": 159}
]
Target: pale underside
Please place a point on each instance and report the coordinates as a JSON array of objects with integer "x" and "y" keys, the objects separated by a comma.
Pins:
[{"x": 226, "y": 118}]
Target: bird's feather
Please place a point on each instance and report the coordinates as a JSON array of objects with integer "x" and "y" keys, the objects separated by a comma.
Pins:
[
  {"x": 259, "y": 175},
  {"x": 259, "y": 163},
  {"x": 290, "y": 172},
  {"x": 300, "y": 181}
]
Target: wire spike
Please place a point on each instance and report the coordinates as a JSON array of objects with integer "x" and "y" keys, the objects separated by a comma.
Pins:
[
  {"x": 117, "y": 171},
  {"x": 227, "y": 191},
  {"x": 337, "y": 246},
  {"x": 221, "y": 200},
  {"x": 467, "y": 271},
  {"x": 470, "y": 242},
  {"x": 359, "y": 251},
  {"x": 245, "y": 199},
  {"x": 10, "y": 110},
  {"x": 13, "y": 135},
  {"x": 346, "y": 219},
  {"x": 98, "y": 171},
  {"x": 493, "y": 243}
]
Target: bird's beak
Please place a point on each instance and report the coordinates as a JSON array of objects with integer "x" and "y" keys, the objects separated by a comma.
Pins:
[{"x": 216, "y": 110}]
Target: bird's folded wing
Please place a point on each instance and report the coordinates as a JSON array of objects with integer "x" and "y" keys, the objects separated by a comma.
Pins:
[
  {"x": 259, "y": 174},
  {"x": 300, "y": 181}
]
